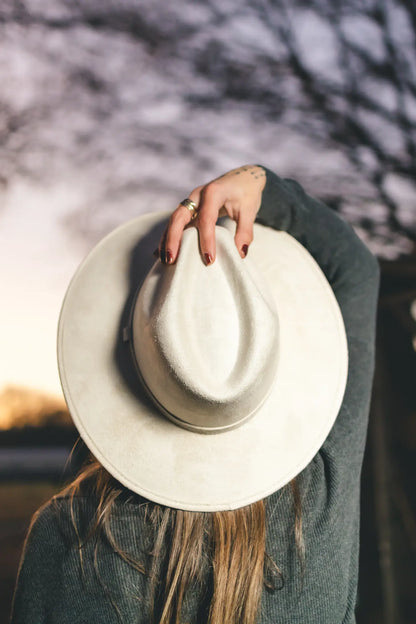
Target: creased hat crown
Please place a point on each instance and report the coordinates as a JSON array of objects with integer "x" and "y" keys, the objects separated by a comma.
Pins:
[{"x": 206, "y": 339}]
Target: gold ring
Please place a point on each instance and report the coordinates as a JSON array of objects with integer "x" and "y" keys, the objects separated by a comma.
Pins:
[{"x": 191, "y": 205}]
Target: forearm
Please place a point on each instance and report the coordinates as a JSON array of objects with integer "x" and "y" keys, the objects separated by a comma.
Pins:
[{"x": 348, "y": 265}]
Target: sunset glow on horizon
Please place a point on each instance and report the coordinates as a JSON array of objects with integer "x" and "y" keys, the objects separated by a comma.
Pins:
[{"x": 36, "y": 264}]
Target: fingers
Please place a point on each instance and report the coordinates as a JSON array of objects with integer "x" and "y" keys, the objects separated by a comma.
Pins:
[
  {"x": 210, "y": 204},
  {"x": 170, "y": 242},
  {"x": 173, "y": 235},
  {"x": 244, "y": 232},
  {"x": 237, "y": 193}
]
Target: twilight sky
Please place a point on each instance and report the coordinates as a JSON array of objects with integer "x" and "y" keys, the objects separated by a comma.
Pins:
[{"x": 109, "y": 111}]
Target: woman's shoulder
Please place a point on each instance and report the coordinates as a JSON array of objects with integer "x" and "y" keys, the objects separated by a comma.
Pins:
[
  {"x": 67, "y": 513},
  {"x": 55, "y": 518},
  {"x": 63, "y": 503}
]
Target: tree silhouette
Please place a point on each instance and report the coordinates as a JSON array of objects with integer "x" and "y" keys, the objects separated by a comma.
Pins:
[{"x": 341, "y": 74}]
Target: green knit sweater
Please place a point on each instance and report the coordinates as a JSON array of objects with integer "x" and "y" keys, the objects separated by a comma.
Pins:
[{"x": 53, "y": 588}]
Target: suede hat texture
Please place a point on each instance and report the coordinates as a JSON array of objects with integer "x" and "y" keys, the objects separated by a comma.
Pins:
[{"x": 201, "y": 388}]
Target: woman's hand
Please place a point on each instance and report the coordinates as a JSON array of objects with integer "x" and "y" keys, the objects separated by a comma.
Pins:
[{"x": 236, "y": 194}]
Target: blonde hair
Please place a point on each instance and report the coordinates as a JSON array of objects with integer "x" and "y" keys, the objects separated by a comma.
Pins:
[{"x": 232, "y": 544}]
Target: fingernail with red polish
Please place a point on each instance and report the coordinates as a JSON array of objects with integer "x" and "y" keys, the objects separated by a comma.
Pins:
[
  {"x": 169, "y": 257},
  {"x": 244, "y": 249},
  {"x": 208, "y": 258}
]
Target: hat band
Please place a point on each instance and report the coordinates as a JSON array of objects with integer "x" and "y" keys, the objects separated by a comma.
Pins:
[{"x": 179, "y": 421}]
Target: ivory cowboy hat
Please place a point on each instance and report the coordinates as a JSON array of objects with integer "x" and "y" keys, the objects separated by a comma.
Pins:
[{"x": 201, "y": 388}]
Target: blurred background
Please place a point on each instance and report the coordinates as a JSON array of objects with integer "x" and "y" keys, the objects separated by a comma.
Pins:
[{"x": 112, "y": 108}]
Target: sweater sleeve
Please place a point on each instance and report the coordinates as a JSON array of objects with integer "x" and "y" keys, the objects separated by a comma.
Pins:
[
  {"x": 39, "y": 570},
  {"x": 353, "y": 274}
]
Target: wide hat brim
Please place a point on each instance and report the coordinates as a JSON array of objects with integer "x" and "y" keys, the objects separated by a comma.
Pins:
[{"x": 144, "y": 450}]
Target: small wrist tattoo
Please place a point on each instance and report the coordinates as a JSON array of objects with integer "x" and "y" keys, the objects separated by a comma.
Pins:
[{"x": 255, "y": 170}]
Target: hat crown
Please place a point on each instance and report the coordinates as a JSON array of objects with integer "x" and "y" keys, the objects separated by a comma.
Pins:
[{"x": 205, "y": 339}]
